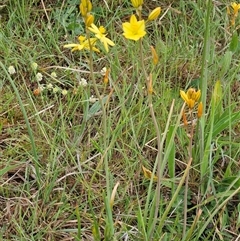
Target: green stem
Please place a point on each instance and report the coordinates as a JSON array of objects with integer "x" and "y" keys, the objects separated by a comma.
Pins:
[
  {"x": 187, "y": 177},
  {"x": 159, "y": 155},
  {"x": 105, "y": 134},
  {"x": 204, "y": 86}
]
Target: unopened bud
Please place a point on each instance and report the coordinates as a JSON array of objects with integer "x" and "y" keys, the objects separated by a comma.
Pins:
[
  {"x": 184, "y": 119},
  {"x": 83, "y": 10},
  {"x": 154, "y": 55},
  {"x": 85, "y": 7},
  {"x": 106, "y": 79},
  {"x": 137, "y": 3},
  {"x": 89, "y": 20},
  {"x": 150, "y": 87},
  {"x": 154, "y": 14},
  {"x": 200, "y": 110}
]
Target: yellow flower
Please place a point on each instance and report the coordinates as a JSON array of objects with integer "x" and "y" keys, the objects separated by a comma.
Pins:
[
  {"x": 100, "y": 34},
  {"x": 83, "y": 44},
  {"x": 191, "y": 97},
  {"x": 154, "y": 14},
  {"x": 235, "y": 7},
  {"x": 137, "y": 3},
  {"x": 134, "y": 29}
]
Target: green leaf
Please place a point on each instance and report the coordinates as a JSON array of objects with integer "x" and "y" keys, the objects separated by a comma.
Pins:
[
  {"x": 7, "y": 169},
  {"x": 223, "y": 122},
  {"x": 217, "y": 100},
  {"x": 226, "y": 182},
  {"x": 225, "y": 63},
  {"x": 234, "y": 42},
  {"x": 96, "y": 107}
]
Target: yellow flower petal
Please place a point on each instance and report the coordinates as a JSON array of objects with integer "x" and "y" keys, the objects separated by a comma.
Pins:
[
  {"x": 94, "y": 29},
  {"x": 184, "y": 95},
  {"x": 197, "y": 95}
]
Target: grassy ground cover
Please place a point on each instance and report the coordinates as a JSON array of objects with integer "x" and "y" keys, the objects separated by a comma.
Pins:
[{"x": 102, "y": 145}]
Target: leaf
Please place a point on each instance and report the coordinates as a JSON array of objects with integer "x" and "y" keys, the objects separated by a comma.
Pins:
[
  {"x": 7, "y": 169},
  {"x": 234, "y": 42},
  {"x": 217, "y": 99},
  {"x": 226, "y": 182},
  {"x": 114, "y": 194},
  {"x": 225, "y": 63},
  {"x": 95, "y": 108},
  {"x": 148, "y": 174},
  {"x": 223, "y": 122}
]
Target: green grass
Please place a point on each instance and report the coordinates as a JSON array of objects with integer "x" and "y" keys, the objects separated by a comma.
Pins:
[{"x": 59, "y": 164}]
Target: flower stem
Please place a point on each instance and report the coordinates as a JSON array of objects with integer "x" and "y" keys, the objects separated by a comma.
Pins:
[
  {"x": 187, "y": 177},
  {"x": 105, "y": 139},
  {"x": 159, "y": 155}
]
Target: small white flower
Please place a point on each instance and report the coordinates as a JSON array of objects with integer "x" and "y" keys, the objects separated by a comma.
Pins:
[
  {"x": 49, "y": 86},
  {"x": 64, "y": 92},
  {"x": 92, "y": 99},
  {"x": 41, "y": 87},
  {"x": 39, "y": 77},
  {"x": 11, "y": 70},
  {"x": 34, "y": 65},
  {"x": 103, "y": 71},
  {"x": 83, "y": 82},
  {"x": 54, "y": 75},
  {"x": 56, "y": 89}
]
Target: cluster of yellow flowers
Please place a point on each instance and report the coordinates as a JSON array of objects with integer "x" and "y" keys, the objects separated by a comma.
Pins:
[
  {"x": 134, "y": 29},
  {"x": 100, "y": 33},
  {"x": 191, "y": 97},
  {"x": 233, "y": 12}
]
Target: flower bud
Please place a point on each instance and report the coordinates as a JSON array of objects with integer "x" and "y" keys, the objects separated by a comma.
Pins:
[
  {"x": 83, "y": 10},
  {"x": 84, "y": 3},
  {"x": 137, "y": 3},
  {"x": 184, "y": 119},
  {"x": 200, "y": 110},
  {"x": 154, "y": 55},
  {"x": 85, "y": 7},
  {"x": 89, "y": 6},
  {"x": 154, "y": 14},
  {"x": 150, "y": 86},
  {"x": 89, "y": 20},
  {"x": 106, "y": 78}
]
